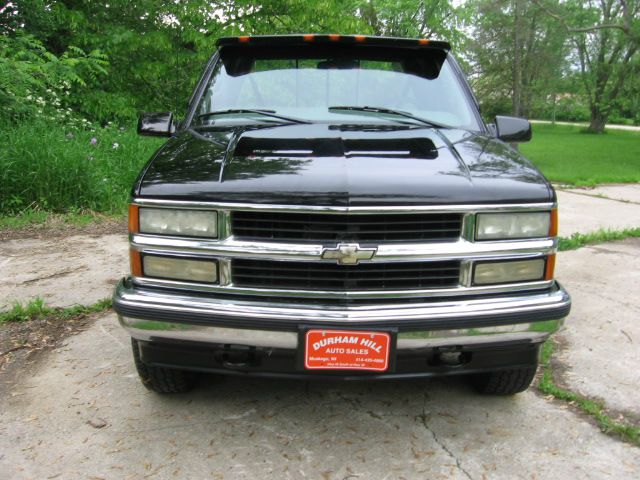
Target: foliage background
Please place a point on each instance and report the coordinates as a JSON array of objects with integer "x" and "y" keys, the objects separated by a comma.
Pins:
[{"x": 74, "y": 74}]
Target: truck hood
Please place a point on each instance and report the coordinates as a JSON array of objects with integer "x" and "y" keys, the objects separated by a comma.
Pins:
[{"x": 341, "y": 165}]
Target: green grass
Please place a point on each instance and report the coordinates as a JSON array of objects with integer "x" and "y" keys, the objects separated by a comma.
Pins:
[
  {"x": 578, "y": 240},
  {"x": 44, "y": 167},
  {"x": 76, "y": 218},
  {"x": 22, "y": 219},
  {"x": 597, "y": 410},
  {"x": 36, "y": 309},
  {"x": 565, "y": 154}
]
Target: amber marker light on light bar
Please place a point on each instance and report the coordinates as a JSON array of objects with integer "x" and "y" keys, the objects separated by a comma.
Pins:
[
  {"x": 333, "y": 37},
  {"x": 134, "y": 219},
  {"x": 243, "y": 39},
  {"x": 308, "y": 38},
  {"x": 360, "y": 38}
]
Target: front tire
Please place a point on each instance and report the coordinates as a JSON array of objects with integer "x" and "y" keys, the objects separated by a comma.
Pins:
[
  {"x": 505, "y": 382},
  {"x": 161, "y": 379}
]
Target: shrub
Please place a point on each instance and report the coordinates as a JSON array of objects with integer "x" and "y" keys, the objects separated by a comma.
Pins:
[
  {"x": 569, "y": 109},
  {"x": 36, "y": 83}
]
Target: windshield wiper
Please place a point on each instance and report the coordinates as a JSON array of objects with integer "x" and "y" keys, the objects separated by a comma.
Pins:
[
  {"x": 389, "y": 111},
  {"x": 266, "y": 113}
]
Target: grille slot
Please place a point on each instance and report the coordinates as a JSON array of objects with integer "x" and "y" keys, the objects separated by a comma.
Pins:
[
  {"x": 330, "y": 276},
  {"x": 329, "y": 228}
]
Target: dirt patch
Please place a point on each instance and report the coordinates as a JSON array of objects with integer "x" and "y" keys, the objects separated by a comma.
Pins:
[
  {"x": 73, "y": 270},
  {"x": 57, "y": 226},
  {"x": 22, "y": 344}
]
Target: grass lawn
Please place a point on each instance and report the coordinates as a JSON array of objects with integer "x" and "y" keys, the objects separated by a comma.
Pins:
[{"x": 566, "y": 155}]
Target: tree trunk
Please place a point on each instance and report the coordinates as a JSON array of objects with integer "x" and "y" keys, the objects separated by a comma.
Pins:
[
  {"x": 517, "y": 67},
  {"x": 598, "y": 121}
]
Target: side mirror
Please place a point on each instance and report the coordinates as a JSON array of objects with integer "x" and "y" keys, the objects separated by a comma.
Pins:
[
  {"x": 160, "y": 124},
  {"x": 512, "y": 129}
]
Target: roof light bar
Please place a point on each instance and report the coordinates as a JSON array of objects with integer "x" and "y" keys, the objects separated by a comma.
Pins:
[{"x": 290, "y": 40}]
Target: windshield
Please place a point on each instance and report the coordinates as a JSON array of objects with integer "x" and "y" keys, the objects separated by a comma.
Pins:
[{"x": 316, "y": 84}]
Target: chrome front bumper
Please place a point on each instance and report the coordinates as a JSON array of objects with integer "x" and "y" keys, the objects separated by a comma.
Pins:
[{"x": 156, "y": 315}]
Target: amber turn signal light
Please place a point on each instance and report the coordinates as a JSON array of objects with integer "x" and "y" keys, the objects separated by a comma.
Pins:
[
  {"x": 550, "y": 267},
  {"x": 134, "y": 219},
  {"x": 553, "y": 227},
  {"x": 135, "y": 260}
]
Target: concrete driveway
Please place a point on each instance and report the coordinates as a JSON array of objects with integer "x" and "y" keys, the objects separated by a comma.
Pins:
[{"x": 80, "y": 411}]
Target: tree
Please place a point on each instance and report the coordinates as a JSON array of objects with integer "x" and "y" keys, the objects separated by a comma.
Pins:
[
  {"x": 605, "y": 36},
  {"x": 156, "y": 49},
  {"x": 627, "y": 103},
  {"x": 518, "y": 53},
  {"x": 414, "y": 18}
]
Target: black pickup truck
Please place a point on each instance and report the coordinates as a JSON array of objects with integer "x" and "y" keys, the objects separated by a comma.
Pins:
[{"x": 335, "y": 207}]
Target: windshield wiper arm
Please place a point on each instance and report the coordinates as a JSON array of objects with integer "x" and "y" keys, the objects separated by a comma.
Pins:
[
  {"x": 266, "y": 113},
  {"x": 390, "y": 111}
]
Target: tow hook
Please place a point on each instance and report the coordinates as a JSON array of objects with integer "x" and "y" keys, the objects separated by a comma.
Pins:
[
  {"x": 237, "y": 357},
  {"x": 450, "y": 356}
]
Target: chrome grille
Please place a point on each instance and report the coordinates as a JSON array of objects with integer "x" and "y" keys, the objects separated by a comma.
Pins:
[
  {"x": 330, "y": 276},
  {"x": 332, "y": 228}
]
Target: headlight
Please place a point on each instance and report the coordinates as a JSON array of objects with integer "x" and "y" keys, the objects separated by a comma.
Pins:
[
  {"x": 204, "y": 271},
  {"x": 184, "y": 223},
  {"x": 498, "y": 226},
  {"x": 487, "y": 273}
]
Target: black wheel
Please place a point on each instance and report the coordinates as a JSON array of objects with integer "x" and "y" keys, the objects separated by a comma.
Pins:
[
  {"x": 160, "y": 379},
  {"x": 505, "y": 382}
]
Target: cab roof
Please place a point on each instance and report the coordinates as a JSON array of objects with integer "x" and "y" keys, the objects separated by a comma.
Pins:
[{"x": 307, "y": 39}]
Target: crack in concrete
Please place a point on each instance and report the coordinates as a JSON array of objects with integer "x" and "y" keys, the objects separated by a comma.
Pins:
[
  {"x": 599, "y": 197},
  {"x": 356, "y": 404},
  {"x": 423, "y": 419},
  {"x": 559, "y": 367},
  {"x": 54, "y": 275}
]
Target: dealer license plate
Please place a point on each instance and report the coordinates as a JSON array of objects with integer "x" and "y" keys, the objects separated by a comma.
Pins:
[{"x": 346, "y": 350}]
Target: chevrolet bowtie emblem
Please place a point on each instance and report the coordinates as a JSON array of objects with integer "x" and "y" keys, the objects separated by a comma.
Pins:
[{"x": 348, "y": 253}]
